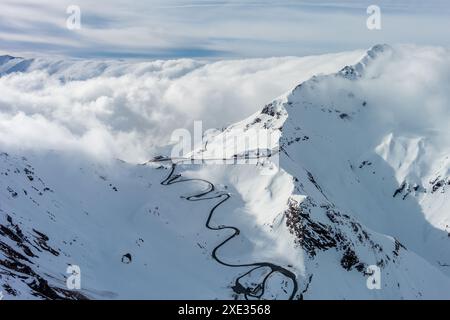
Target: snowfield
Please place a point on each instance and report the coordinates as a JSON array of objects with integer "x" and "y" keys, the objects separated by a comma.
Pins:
[{"x": 363, "y": 180}]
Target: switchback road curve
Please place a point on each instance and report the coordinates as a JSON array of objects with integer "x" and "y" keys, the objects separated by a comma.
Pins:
[{"x": 258, "y": 291}]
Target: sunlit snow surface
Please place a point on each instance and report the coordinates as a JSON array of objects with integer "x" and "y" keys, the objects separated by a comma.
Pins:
[{"x": 364, "y": 180}]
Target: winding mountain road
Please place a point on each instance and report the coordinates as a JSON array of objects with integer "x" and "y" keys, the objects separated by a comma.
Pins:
[{"x": 258, "y": 291}]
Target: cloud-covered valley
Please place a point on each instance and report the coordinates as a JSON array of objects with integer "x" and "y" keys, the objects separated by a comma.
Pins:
[{"x": 126, "y": 110}]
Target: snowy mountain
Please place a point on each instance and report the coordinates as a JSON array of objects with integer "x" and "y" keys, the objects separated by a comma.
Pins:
[
  {"x": 361, "y": 179},
  {"x": 114, "y": 109}
]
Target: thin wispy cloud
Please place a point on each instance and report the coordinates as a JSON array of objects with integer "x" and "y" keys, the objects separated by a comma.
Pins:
[{"x": 215, "y": 29}]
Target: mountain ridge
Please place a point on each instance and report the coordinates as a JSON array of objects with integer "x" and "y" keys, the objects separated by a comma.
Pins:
[{"x": 353, "y": 190}]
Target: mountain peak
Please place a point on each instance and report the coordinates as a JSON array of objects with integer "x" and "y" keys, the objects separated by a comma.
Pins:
[
  {"x": 6, "y": 58},
  {"x": 357, "y": 71}
]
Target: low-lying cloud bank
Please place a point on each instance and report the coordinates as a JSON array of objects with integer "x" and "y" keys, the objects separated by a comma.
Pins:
[{"x": 129, "y": 110}]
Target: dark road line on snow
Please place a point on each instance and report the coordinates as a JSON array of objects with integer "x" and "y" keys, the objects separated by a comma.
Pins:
[{"x": 238, "y": 288}]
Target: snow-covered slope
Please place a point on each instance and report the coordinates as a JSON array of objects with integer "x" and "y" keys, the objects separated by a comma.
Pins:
[
  {"x": 363, "y": 179},
  {"x": 57, "y": 212},
  {"x": 367, "y": 177}
]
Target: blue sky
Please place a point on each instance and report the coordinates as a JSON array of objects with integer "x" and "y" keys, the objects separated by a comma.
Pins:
[{"x": 215, "y": 29}]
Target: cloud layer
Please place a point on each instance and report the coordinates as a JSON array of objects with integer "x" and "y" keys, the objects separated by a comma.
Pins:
[{"x": 129, "y": 110}]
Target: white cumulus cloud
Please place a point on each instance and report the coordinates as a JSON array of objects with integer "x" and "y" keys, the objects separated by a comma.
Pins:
[{"x": 129, "y": 110}]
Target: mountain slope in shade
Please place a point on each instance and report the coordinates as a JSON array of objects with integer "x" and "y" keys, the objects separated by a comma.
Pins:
[{"x": 363, "y": 180}]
